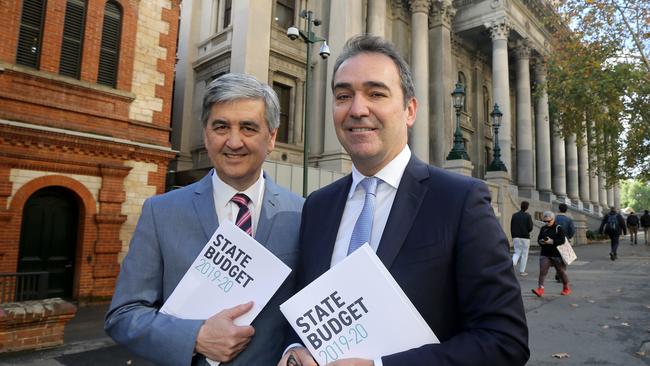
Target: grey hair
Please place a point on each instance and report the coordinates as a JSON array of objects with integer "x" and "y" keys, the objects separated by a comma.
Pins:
[
  {"x": 232, "y": 87},
  {"x": 548, "y": 215},
  {"x": 372, "y": 44}
]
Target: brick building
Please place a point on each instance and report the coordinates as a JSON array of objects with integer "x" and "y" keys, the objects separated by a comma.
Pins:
[{"x": 85, "y": 104}]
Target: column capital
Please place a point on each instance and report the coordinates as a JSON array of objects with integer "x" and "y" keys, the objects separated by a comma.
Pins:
[
  {"x": 522, "y": 50},
  {"x": 498, "y": 30},
  {"x": 540, "y": 69},
  {"x": 419, "y": 6},
  {"x": 442, "y": 12}
]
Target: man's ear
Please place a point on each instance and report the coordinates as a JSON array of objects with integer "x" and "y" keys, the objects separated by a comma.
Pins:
[{"x": 411, "y": 111}]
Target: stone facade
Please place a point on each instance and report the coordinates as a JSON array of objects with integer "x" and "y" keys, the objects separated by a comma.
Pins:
[
  {"x": 100, "y": 149},
  {"x": 496, "y": 49}
]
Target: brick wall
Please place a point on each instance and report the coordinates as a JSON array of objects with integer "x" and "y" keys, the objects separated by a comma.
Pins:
[{"x": 33, "y": 324}]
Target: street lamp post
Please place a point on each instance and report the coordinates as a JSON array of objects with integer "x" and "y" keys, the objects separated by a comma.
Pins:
[
  {"x": 496, "y": 165},
  {"x": 458, "y": 151},
  {"x": 309, "y": 38}
]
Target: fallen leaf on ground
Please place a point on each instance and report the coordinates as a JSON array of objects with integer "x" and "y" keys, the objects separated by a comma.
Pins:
[
  {"x": 625, "y": 324},
  {"x": 561, "y": 355},
  {"x": 591, "y": 301},
  {"x": 605, "y": 326},
  {"x": 575, "y": 305},
  {"x": 640, "y": 354}
]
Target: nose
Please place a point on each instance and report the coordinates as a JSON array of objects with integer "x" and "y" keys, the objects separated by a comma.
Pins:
[
  {"x": 359, "y": 107},
  {"x": 234, "y": 140}
]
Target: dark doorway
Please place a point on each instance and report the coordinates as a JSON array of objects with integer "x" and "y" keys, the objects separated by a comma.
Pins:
[{"x": 48, "y": 238}]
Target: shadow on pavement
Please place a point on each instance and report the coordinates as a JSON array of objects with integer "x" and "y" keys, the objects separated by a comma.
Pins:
[{"x": 108, "y": 356}]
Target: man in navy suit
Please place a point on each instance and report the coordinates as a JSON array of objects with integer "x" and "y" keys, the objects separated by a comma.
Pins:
[
  {"x": 434, "y": 230},
  {"x": 240, "y": 121}
]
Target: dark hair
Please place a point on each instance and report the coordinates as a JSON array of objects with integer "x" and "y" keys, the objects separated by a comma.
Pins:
[
  {"x": 372, "y": 44},
  {"x": 524, "y": 205},
  {"x": 563, "y": 207},
  {"x": 232, "y": 87}
]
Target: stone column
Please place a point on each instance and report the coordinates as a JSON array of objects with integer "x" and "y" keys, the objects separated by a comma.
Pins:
[
  {"x": 583, "y": 174},
  {"x": 559, "y": 164},
  {"x": 525, "y": 179},
  {"x": 572, "y": 168},
  {"x": 377, "y": 17},
  {"x": 441, "y": 82},
  {"x": 420, "y": 69},
  {"x": 340, "y": 28},
  {"x": 593, "y": 178},
  {"x": 617, "y": 196},
  {"x": 602, "y": 193},
  {"x": 610, "y": 197},
  {"x": 251, "y": 18},
  {"x": 500, "y": 84},
  {"x": 542, "y": 134}
]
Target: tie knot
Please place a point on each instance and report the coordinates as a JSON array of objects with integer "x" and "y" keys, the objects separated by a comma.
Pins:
[
  {"x": 241, "y": 199},
  {"x": 370, "y": 185}
]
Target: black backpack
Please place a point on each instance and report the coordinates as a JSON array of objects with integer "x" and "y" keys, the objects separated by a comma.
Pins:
[{"x": 612, "y": 224}]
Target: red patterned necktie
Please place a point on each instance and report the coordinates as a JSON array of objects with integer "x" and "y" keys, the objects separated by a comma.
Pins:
[{"x": 244, "y": 220}]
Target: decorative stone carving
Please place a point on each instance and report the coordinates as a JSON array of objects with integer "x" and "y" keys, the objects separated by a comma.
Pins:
[
  {"x": 499, "y": 30},
  {"x": 442, "y": 13},
  {"x": 419, "y": 6},
  {"x": 522, "y": 51}
]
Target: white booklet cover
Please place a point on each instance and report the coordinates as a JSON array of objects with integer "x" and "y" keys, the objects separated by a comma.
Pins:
[
  {"x": 356, "y": 309},
  {"x": 232, "y": 269}
]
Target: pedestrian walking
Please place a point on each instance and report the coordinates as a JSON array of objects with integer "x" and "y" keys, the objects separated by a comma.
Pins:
[
  {"x": 645, "y": 225},
  {"x": 633, "y": 226},
  {"x": 564, "y": 221},
  {"x": 550, "y": 236},
  {"x": 613, "y": 224},
  {"x": 521, "y": 224}
]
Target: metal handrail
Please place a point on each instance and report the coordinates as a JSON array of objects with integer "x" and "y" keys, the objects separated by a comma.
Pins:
[{"x": 23, "y": 286}]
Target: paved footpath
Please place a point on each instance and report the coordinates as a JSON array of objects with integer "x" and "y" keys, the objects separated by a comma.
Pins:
[{"x": 605, "y": 321}]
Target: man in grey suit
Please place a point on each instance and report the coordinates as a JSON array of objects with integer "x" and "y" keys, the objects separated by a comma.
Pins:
[{"x": 240, "y": 121}]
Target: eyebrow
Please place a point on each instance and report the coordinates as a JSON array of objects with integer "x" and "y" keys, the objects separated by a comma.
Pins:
[{"x": 367, "y": 84}]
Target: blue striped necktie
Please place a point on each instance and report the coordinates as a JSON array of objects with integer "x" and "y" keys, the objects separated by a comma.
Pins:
[
  {"x": 244, "y": 220},
  {"x": 363, "y": 226}
]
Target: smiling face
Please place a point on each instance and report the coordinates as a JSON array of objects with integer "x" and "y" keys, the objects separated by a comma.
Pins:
[
  {"x": 238, "y": 139},
  {"x": 370, "y": 118}
]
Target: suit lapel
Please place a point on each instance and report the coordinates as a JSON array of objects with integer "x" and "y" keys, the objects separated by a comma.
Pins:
[
  {"x": 269, "y": 209},
  {"x": 204, "y": 206},
  {"x": 329, "y": 219},
  {"x": 406, "y": 206}
]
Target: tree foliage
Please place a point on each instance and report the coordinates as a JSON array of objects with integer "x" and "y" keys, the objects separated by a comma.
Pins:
[
  {"x": 598, "y": 81},
  {"x": 635, "y": 194}
]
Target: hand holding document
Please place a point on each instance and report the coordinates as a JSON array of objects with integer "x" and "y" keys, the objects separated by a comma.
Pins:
[
  {"x": 232, "y": 269},
  {"x": 356, "y": 309}
]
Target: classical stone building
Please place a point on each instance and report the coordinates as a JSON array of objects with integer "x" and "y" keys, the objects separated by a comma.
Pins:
[
  {"x": 85, "y": 105},
  {"x": 495, "y": 48}
]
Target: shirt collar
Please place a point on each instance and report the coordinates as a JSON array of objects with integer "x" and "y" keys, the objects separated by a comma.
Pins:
[
  {"x": 223, "y": 192},
  {"x": 391, "y": 174}
]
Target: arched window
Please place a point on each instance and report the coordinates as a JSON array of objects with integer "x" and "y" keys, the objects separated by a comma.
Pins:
[
  {"x": 109, "y": 55},
  {"x": 31, "y": 33},
  {"x": 73, "y": 35},
  {"x": 463, "y": 80}
]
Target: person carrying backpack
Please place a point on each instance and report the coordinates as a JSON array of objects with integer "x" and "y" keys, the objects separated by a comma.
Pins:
[
  {"x": 645, "y": 224},
  {"x": 633, "y": 227},
  {"x": 613, "y": 224}
]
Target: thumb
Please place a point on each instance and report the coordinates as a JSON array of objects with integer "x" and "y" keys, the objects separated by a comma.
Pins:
[{"x": 237, "y": 311}]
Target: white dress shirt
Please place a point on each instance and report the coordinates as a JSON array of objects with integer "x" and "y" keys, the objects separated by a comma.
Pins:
[
  {"x": 227, "y": 209},
  {"x": 389, "y": 178}
]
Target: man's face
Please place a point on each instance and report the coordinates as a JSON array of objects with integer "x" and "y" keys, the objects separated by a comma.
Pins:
[
  {"x": 370, "y": 118},
  {"x": 238, "y": 139}
]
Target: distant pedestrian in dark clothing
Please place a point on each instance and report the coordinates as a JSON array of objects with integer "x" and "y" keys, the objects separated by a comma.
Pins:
[
  {"x": 633, "y": 227},
  {"x": 613, "y": 224},
  {"x": 550, "y": 236},
  {"x": 567, "y": 224},
  {"x": 521, "y": 224},
  {"x": 645, "y": 224}
]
